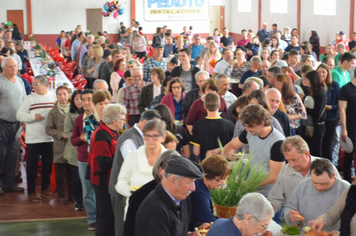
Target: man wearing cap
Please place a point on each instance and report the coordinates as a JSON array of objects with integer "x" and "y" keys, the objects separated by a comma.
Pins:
[
  {"x": 166, "y": 210},
  {"x": 154, "y": 61},
  {"x": 171, "y": 64},
  {"x": 343, "y": 40},
  {"x": 169, "y": 47}
]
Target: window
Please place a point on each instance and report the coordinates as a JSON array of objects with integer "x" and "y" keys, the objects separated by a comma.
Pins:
[
  {"x": 325, "y": 7},
  {"x": 279, "y": 6},
  {"x": 244, "y": 5}
]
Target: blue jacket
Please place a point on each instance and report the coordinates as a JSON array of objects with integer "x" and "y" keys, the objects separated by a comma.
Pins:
[{"x": 332, "y": 99}]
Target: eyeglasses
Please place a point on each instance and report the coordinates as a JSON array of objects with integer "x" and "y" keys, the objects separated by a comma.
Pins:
[
  {"x": 153, "y": 74},
  {"x": 177, "y": 87},
  {"x": 264, "y": 226},
  {"x": 154, "y": 137},
  {"x": 220, "y": 181},
  {"x": 36, "y": 84}
]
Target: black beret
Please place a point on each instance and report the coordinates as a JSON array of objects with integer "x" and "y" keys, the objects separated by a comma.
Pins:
[{"x": 184, "y": 167}]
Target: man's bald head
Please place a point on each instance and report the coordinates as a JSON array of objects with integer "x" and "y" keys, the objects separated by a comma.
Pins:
[{"x": 273, "y": 97}]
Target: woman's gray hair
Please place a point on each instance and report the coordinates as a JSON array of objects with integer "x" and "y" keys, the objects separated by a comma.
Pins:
[
  {"x": 162, "y": 162},
  {"x": 255, "y": 204},
  {"x": 157, "y": 125},
  {"x": 43, "y": 79},
  {"x": 112, "y": 112}
]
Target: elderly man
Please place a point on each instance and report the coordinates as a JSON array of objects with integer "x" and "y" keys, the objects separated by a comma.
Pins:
[
  {"x": 223, "y": 83},
  {"x": 90, "y": 40},
  {"x": 132, "y": 95},
  {"x": 107, "y": 68},
  {"x": 196, "y": 93},
  {"x": 274, "y": 97},
  {"x": 155, "y": 61},
  {"x": 254, "y": 71},
  {"x": 253, "y": 214},
  {"x": 34, "y": 111},
  {"x": 165, "y": 211},
  {"x": 272, "y": 74},
  {"x": 128, "y": 142},
  {"x": 296, "y": 152},
  {"x": 264, "y": 67},
  {"x": 263, "y": 33},
  {"x": 186, "y": 71},
  {"x": 222, "y": 65},
  {"x": 75, "y": 46},
  {"x": 100, "y": 84},
  {"x": 315, "y": 195},
  {"x": 12, "y": 93},
  {"x": 249, "y": 86}
]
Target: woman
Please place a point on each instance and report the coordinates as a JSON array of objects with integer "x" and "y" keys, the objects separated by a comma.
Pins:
[
  {"x": 174, "y": 100},
  {"x": 317, "y": 114},
  {"x": 171, "y": 141},
  {"x": 127, "y": 54},
  {"x": 216, "y": 170},
  {"x": 304, "y": 50},
  {"x": 94, "y": 64},
  {"x": 61, "y": 40},
  {"x": 286, "y": 36},
  {"x": 294, "y": 31},
  {"x": 153, "y": 90},
  {"x": 266, "y": 44},
  {"x": 178, "y": 131},
  {"x": 16, "y": 33},
  {"x": 116, "y": 76},
  {"x": 127, "y": 81},
  {"x": 307, "y": 59},
  {"x": 55, "y": 128},
  {"x": 292, "y": 102},
  {"x": 102, "y": 151},
  {"x": 179, "y": 44},
  {"x": 332, "y": 108},
  {"x": 275, "y": 43},
  {"x": 137, "y": 167},
  {"x": 328, "y": 60},
  {"x": 66, "y": 46},
  {"x": 265, "y": 54},
  {"x": 217, "y": 36},
  {"x": 22, "y": 52},
  {"x": 197, "y": 111},
  {"x": 329, "y": 51},
  {"x": 89, "y": 54},
  {"x": 212, "y": 54},
  {"x": 274, "y": 55},
  {"x": 139, "y": 44},
  {"x": 139, "y": 195},
  {"x": 314, "y": 40},
  {"x": 70, "y": 152},
  {"x": 238, "y": 68},
  {"x": 302, "y": 81}
]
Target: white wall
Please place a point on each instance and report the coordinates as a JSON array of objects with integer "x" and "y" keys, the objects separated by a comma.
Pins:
[
  {"x": 243, "y": 20},
  {"x": 13, "y": 5}
]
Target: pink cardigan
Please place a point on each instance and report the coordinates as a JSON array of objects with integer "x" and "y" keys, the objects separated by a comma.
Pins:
[{"x": 168, "y": 101}]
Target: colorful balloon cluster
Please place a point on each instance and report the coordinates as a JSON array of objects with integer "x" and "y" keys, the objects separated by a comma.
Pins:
[{"x": 113, "y": 8}]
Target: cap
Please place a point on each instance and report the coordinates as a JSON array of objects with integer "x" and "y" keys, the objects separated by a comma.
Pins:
[
  {"x": 157, "y": 45},
  {"x": 341, "y": 32},
  {"x": 174, "y": 60},
  {"x": 182, "y": 166},
  {"x": 281, "y": 63},
  {"x": 106, "y": 53},
  {"x": 242, "y": 48}
]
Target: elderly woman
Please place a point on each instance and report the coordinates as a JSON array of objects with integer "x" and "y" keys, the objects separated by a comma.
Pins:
[
  {"x": 55, "y": 129},
  {"x": 138, "y": 196},
  {"x": 216, "y": 170},
  {"x": 102, "y": 150},
  {"x": 153, "y": 90},
  {"x": 253, "y": 214},
  {"x": 116, "y": 76},
  {"x": 137, "y": 167},
  {"x": 70, "y": 153}
]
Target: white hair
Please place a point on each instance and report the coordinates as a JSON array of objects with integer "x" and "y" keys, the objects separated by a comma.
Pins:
[
  {"x": 136, "y": 68},
  {"x": 202, "y": 72},
  {"x": 100, "y": 81},
  {"x": 257, "y": 80},
  {"x": 3, "y": 63},
  {"x": 112, "y": 112},
  {"x": 255, "y": 204},
  {"x": 275, "y": 90},
  {"x": 220, "y": 76}
]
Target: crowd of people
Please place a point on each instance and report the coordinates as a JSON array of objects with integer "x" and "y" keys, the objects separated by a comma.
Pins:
[{"x": 140, "y": 147}]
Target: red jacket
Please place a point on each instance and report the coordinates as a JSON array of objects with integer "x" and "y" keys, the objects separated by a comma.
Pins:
[
  {"x": 82, "y": 147},
  {"x": 168, "y": 101}
]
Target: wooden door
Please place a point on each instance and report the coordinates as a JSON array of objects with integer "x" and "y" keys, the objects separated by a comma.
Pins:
[
  {"x": 16, "y": 17},
  {"x": 94, "y": 20},
  {"x": 214, "y": 12}
]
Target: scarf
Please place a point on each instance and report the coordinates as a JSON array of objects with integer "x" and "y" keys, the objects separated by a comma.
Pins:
[
  {"x": 348, "y": 212},
  {"x": 120, "y": 73},
  {"x": 64, "y": 109}
]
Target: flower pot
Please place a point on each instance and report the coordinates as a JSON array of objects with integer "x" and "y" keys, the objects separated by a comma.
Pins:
[{"x": 224, "y": 212}]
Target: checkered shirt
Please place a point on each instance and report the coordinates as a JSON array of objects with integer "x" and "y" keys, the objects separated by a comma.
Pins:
[
  {"x": 131, "y": 98},
  {"x": 148, "y": 65}
]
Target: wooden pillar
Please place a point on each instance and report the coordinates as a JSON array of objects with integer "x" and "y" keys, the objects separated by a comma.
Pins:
[
  {"x": 352, "y": 16},
  {"x": 29, "y": 18},
  {"x": 298, "y": 15},
  {"x": 133, "y": 10},
  {"x": 259, "y": 13}
]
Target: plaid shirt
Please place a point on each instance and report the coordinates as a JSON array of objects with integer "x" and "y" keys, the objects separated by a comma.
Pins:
[
  {"x": 148, "y": 65},
  {"x": 131, "y": 98}
]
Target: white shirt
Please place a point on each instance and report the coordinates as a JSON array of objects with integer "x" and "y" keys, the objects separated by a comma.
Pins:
[
  {"x": 229, "y": 98},
  {"x": 156, "y": 90},
  {"x": 221, "y": 66},
  {"x": 129, "y": 145}
]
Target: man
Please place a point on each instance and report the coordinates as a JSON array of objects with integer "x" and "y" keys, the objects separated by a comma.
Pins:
[
  {"x": 171, "y": 64},
  {"x": 264, "y": 141},
  {"x": 12, "y": 93},
  {"x": 254, "y": 71},
  {"x": 340, "y": 73},
  {"x": 75, "y": 45},
  {"x": 224, "y": 64},
  {"x": 34, "y": 112},
  {"x": 8, "y": 37},
  {"x": 166, "y": 211},
  {"x": 245, "y": 40},
  {"x": 128, "y": 142},
  {"x": 100, "y": 84},
  {"x": 186, "y": 71},
  {"x": 77, "y": 30},
  {"x": 274, "y": 98},
  {"x": 249, "y": 86},
  {"x": 253, "y": 214},
  {"x": 13, "y": 54},
  {"x": 155, "y": 61},
  {"x": 163, "y": 33},
  {"x": 223, "y": 82},
  {"x": 206, "y": 132},
  {"x": 157, "y": 99},
  {"x": 78, "y": 140},
  {"x": 135, "y": 26},
  {"x": 282, "y": 43},
  {"x": 226, "y": 39},
  {"x": 90, "y": 40},
  {"x": 296, "y": 152},
  {"x": 196, "y": 47},
  {"x": 352, "y": 44},
  {"x": 107, "y": 68},
  {"x": 321, "y": 190},
  {"x": 263, "y": 33},
  {"x": 294, "y": 43},
  {"x": 108, "y": 58},
  {"x": 132, "y": 95},
  {"x": 194, "y": 94},
  {"x": 169, "y": 47},
  {"x": 340, "y": 49},
  {"x": 185, "y": 32},
  {"x": 342, "y": 39},
  {"x": 273, "y": 31},
  {"x": 205, "y": 49},
  {"x": 293, "y": 61},
  {"x": 264, "y": 67}
]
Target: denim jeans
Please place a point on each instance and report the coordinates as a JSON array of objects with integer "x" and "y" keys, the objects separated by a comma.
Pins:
[{"x": 88, "y": 193}]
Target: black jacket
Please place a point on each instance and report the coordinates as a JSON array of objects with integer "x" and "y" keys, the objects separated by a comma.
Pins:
[{"x": 178, "y": 70}]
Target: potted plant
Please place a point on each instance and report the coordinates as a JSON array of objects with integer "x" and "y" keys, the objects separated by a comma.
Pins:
[{"x": 243, "y": 179}]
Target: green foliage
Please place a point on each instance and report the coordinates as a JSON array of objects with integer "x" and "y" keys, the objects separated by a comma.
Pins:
[
  {"x": 243, "y": 179},
  {"x": 290, "y": 230}
]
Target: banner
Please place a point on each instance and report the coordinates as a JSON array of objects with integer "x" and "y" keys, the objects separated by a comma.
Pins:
[{"x": 187, "y": 10}]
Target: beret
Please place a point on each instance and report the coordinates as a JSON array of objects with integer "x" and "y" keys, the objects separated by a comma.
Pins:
[{"x": 182, "y": 166}]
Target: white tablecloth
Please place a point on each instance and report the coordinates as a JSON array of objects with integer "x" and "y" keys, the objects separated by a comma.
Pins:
[{"x": 37, "y": 68}]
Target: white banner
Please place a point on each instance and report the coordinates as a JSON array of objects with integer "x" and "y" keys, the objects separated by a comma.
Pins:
[{"x": 163, "y": 10}]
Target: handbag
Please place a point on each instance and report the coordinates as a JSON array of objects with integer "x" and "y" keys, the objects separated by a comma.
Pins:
[{"x": 309, "y": 129}]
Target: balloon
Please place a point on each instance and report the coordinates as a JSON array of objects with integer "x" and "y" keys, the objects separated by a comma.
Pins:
[
  {"x": 106, "y": 8},
  {"x": 121, "y": 11},
  {"x": 115, "y": 14},
  {"x": 9, "y": 23}
]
